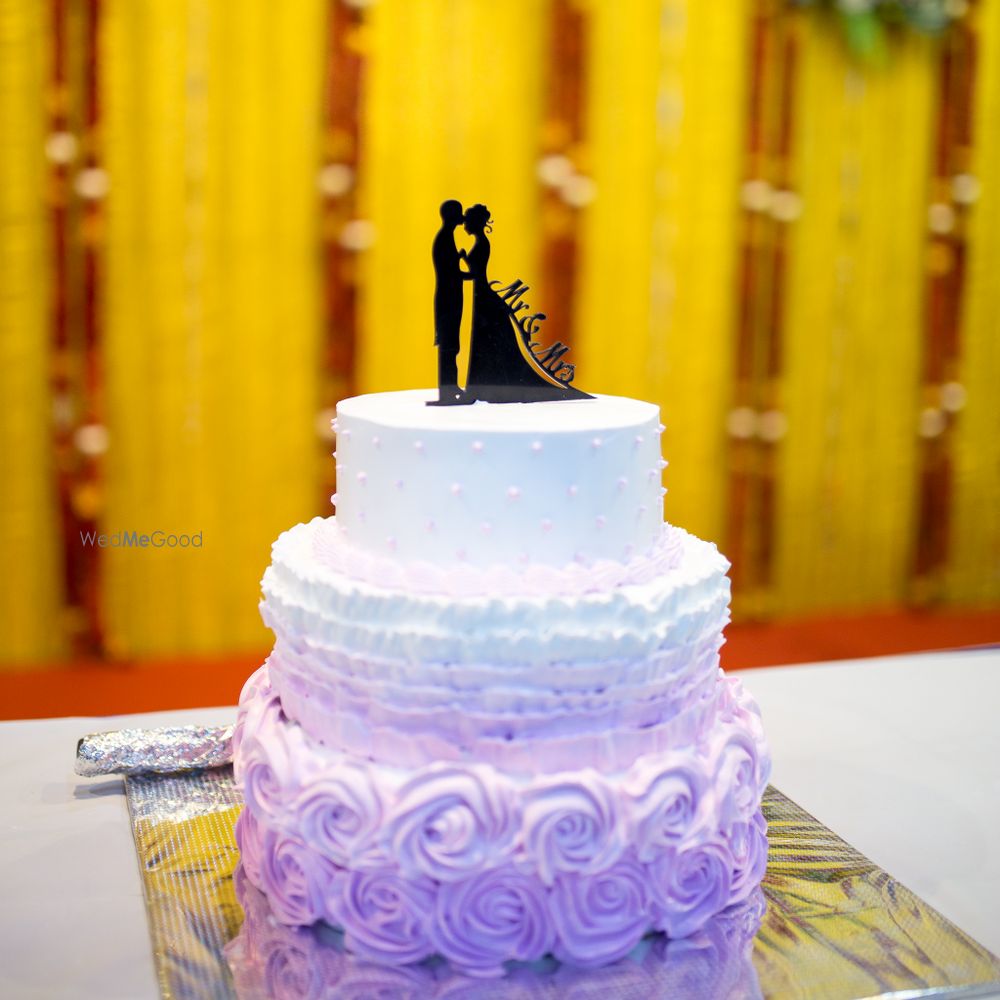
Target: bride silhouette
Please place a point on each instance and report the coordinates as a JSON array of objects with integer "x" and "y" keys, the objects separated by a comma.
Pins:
[{"x": 502, "y": 367}]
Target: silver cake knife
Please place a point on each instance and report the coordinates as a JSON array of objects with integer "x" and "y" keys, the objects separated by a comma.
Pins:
[{"x": 154, "y": 751}]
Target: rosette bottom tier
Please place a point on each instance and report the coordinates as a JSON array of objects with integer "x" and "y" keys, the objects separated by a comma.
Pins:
[
  {"x": 484, "y": 865},
  {"x": 310, "y": 963}
]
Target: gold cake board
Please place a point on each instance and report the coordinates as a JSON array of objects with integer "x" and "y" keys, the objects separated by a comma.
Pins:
[{"x": 836, "y": 926}]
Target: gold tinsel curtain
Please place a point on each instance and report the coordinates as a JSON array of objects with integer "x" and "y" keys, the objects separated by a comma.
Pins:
[{"x": 215, "y": 222}]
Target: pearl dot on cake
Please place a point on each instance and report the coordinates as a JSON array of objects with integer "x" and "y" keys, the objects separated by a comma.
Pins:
[
  {"x": 536, "y": 446},
  {"x": 600, "y": 521},
  {"x": 486, "y": 528},
  {"x": 333, "y": 499},
  {"x": 391, "y": 543},
  {"x": 456, "y": 489},
  {"x": 362, "y": 478},
  {"x": 596, "y": 443},
  {"x": 572, "y": 490},
  {"x": 513, "y": 492},
  {"x": 418, "y": 446},
  {"x": 430, "y": 525},
  {"x": 622, "y": 483},
  {"x": 546, "y": 525},
  {"x": 376, "y": 442},
  {"x": 398, "y": 484},
  {"x": 477, "y": 447}
]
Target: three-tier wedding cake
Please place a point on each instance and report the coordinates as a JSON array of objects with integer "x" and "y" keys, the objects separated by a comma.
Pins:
[{"x": 493, "y": 725}]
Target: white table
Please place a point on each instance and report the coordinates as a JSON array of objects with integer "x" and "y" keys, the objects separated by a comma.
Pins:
[{"x": 899, "y": 755}]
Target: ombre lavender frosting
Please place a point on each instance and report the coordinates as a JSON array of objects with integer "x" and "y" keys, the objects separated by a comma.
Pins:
[
  {"x": 484, "y": 866},
  {"x": 545, "y": 677},
  {"x": 515, "y": 751}
]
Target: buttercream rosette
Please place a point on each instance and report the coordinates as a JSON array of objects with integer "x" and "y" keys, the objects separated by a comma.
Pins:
[
  {"x": 501, "y": 914},
  {"x": 384, "y": 915}
]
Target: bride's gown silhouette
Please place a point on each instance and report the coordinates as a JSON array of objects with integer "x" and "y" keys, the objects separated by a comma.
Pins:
[{"x": 501, "y": 369}]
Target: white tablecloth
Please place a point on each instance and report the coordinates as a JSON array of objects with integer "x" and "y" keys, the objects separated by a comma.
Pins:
[{"x": 899, "y": 755}]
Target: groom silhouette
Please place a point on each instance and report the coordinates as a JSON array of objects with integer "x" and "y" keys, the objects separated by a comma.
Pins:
[{"x": 448, "y": 304}]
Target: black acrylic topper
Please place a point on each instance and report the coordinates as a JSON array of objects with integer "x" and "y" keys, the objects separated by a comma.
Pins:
[{"x": 506, "y": 363}]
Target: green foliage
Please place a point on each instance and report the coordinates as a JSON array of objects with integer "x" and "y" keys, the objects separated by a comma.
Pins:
[{"x": 867, "y": 24}]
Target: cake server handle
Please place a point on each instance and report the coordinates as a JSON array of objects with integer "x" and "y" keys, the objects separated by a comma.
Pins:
[{"x": 154, "y": 751}]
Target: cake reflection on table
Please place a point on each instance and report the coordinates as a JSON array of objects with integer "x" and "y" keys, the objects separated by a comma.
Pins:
[{"x": 269, "y": 959}]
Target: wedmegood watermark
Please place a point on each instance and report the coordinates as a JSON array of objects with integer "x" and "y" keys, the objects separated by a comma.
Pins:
[{"x": 141, "y": 540}]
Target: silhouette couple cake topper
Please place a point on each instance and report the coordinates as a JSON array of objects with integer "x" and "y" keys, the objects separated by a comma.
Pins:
[{"x": 506, "y": 363}]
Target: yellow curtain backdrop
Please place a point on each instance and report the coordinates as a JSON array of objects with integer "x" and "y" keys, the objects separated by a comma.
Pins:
[
  {"x": 620, "y": 144},
  {"x": 852, "y": 325},
  {"x": 210, "y": 137},
  {"x": 211, "y": 307},
  {"x": 452, "y": 109},
  {"x": 655, "y": 314},
  {"x": 30, "y": 598},
  {"x": 973, "y": 576}
]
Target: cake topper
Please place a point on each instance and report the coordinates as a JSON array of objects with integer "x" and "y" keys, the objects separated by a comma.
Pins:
[{"x": 507, "y": 364}]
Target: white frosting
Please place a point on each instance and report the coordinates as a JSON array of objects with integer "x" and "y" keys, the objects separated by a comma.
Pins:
[
  {"x": 304, "y": 596},
  {"x": 499, "y": 484}
]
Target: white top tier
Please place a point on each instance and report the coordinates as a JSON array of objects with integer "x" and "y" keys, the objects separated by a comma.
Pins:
[{"x": 499, "y": 484}]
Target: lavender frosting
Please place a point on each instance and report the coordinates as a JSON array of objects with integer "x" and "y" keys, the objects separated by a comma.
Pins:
[
  {"x": 497, "y": 915},
  {"x": 384, "y": 915},
  {"x": 448, "y": 822},
  {"x": 306, "y": 963},
  {"x": 600, "y": 918},
  {"x": 572, "y": 824},
  {"x": 340, "y": 814},
  {"x": 484, "y": 866}
]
